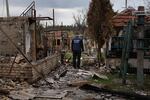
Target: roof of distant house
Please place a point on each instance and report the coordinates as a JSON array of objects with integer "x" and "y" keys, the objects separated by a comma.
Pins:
[{"x": 122, "y": 18}]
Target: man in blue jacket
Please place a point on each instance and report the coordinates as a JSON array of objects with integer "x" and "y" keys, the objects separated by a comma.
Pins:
[{"x": 77, "y": 48}]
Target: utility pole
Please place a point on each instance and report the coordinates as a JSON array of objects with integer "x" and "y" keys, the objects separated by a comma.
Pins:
[
  {"x": 62, "y": 44},
  {"x": 7, "y": 8},
  {"x": 126, "y": 4},
  {"x": 53, "y": 17},
  {"x": 140, "y": 52},
  {"x": 54, "y": 45}
]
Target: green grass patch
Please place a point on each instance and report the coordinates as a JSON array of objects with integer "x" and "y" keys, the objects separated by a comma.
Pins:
[
  {"x": 115, "y": 83},
  {"x": 68, "y": 56}
]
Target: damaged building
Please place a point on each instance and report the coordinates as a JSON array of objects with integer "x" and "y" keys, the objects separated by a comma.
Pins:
[
  {"x": 19, "y": 45},
  {"x": 19, "y": 30}
]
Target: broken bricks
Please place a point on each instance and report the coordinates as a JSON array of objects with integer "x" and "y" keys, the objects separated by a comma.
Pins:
[{"x": 19, "y": 59}]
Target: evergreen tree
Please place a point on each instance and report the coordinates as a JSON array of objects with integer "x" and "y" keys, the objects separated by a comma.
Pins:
[{"x": 99, "y": 22}]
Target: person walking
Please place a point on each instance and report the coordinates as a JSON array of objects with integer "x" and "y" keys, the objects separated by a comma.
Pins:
[{"x": 77, "y": 48}]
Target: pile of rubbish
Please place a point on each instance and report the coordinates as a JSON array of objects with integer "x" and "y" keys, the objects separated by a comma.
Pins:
[{"x": 64, "y": 83}]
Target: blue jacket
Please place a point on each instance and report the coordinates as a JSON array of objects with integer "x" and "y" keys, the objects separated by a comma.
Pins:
[{"x": 77, "y": 44}]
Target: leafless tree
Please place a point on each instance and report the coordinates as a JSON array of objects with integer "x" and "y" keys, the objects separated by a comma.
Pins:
[{"x": 80, "y": 20}]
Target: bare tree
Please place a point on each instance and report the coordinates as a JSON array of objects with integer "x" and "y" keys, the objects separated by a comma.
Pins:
[
  {"x": 80, "y": 20},
  {"x": 148, "y": 6}
]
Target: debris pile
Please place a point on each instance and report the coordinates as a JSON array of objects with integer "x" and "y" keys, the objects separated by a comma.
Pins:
[
  {"x": 13, "y": 89},
  {"x": 4, "y": 59},
  {"x": 108, "y": 69},
  {"x": 19, "y": 59},
  {"x": 66, "y": 83},
  {"x": 88, "y": 60}
]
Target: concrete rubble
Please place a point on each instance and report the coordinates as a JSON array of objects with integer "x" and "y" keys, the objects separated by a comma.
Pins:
[
  {"x": 4, "y": 59},
  {"x": 22, "y": 94},
  {"x": 88, "y": 61},
  {"x": 19, "y": 59},
  {"x": 65, "y": 82},
  {"x": 53, "y": 94}
]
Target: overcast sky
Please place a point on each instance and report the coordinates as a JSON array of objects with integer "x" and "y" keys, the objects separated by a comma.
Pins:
[{"x": 64, "y": 9}]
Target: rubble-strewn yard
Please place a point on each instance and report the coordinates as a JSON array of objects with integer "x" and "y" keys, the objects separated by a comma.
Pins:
[
  {"x": 64, "y": 83},
  {"x": 36, "y": 57}
]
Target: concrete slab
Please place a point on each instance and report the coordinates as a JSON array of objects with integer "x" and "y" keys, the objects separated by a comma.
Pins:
[{"x": 53, "y": 94}]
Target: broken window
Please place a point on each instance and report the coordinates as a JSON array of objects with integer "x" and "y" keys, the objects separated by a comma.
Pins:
[{"x": 58, "y": 41}]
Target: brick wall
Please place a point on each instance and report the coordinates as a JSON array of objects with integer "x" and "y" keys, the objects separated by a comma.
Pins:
[
  {"x": 45, "y": 66},
  {"x": 25, "y": 71},
  {"x": 17, "y": 71},
  {"x": 15, "y": 29}
]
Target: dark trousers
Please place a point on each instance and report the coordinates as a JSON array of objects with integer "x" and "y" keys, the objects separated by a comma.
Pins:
[{"x": 76, "y": 59}]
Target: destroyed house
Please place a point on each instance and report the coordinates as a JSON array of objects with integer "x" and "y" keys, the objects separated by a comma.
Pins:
[
  {"x": 19, "y": 47},
  {"x": 61, "y": 35},
  {"x": 18, "y": 29}
]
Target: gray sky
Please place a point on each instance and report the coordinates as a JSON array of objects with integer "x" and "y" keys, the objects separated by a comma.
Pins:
[{"x": 64, "y": 9}]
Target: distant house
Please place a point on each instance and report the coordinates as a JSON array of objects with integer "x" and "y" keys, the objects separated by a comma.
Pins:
[
  {"x": 62, "y": 36},
  {"x": 116, "y": 42},
  {"x": 122, "y": 18}
]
